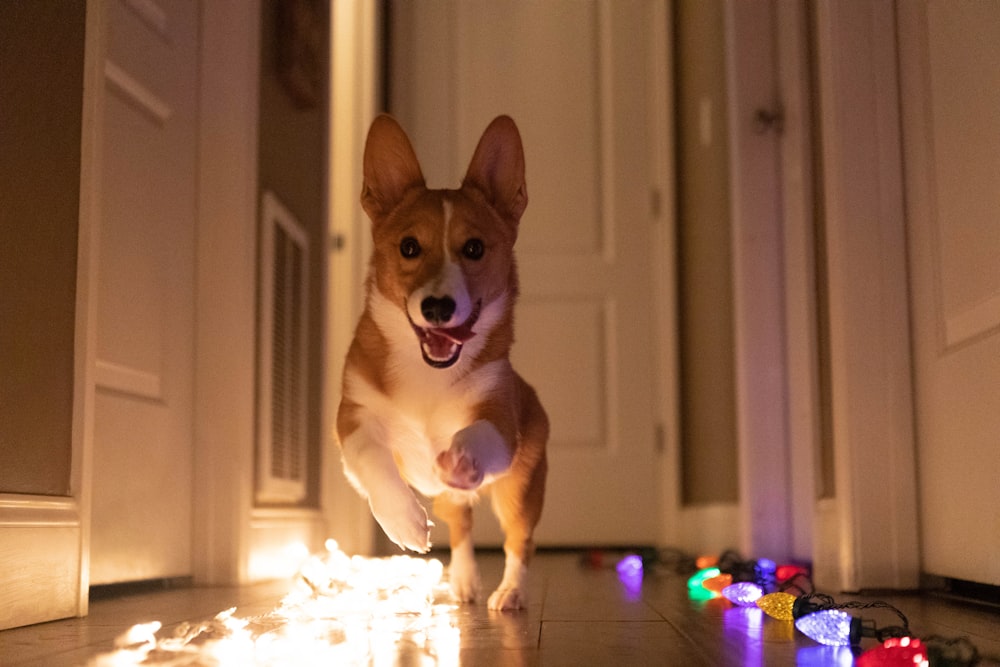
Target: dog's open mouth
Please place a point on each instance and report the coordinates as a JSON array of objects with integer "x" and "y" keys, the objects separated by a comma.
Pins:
[{"x": 442, "y": 347}]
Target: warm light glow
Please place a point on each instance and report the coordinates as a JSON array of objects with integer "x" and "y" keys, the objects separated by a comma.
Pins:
[
  {"x": 343, "y": 610},
  {"x": 143, "y": 633},
  {"x": 298, "y": 552},
  {"x": 778, "y": 605},
  {"x": 278, "y": 562}
]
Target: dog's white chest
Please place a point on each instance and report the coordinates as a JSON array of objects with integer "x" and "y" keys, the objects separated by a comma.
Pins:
[
  {"x": 419, "y": 418},
  {"x": 416, "y": 441}
]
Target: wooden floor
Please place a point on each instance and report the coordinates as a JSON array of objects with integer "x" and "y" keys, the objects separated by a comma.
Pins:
[{"x": 577, "y": 616}]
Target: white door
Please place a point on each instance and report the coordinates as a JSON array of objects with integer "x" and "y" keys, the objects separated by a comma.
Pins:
[
  {"x": 951, "y": 134},
  {"x": 576, "y": 78},
  {"x": 142, "y": 463}
]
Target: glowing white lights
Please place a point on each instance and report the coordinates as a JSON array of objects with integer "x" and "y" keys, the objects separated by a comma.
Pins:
[{"x": 343, "y": 611}]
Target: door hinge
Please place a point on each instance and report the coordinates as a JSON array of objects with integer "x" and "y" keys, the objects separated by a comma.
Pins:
[
  {"x": 769, "y": 120},
  {"x": 655, "y": 203},
  {"x": 659, "y": 439}
]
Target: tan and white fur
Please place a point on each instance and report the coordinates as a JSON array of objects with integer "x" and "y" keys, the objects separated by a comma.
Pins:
[{"x": 430, "y": 400}]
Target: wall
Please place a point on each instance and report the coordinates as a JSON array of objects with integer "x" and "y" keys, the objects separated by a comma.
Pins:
[{"x": 41, "y": 67}]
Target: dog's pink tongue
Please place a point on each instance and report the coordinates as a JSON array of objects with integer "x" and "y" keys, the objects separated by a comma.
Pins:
[
  {"x": 439, "y": 347},
  {"x": 441, "y": 341},
  {"x": 458, "y": 334}
]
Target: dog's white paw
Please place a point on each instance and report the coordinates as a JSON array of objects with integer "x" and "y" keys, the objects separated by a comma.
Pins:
[
  {"x": 456, "y": 468},
  {"x": 463, "y": 575},
  {"x": 476, "y": 451},
  {"x": 507, "y": 599},
  {"x": 404, "y": 521},
  {"x": 510, "y": 594}
]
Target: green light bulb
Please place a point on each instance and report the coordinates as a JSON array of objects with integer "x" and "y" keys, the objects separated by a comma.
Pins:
[{"x": 699, "y": 577}]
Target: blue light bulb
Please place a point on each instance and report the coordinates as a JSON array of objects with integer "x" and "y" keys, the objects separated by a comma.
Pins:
[
  {"x": 630, "y": 566},
  {"x": 767, "y": 566},
  {"x": 744, "y": 593},
  {"x": 830, "y": 626}
]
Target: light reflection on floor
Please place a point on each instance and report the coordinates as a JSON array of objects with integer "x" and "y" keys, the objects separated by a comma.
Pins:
[
  {"x": 824, "y": 656},
  {"x": 747, "y": 629},
  {"x": 742, "y": 627},
  {"x": 343, "y": 610}
]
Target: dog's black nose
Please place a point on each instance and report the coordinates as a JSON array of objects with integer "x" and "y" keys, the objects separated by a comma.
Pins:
[{"x": 437, "y": 311}]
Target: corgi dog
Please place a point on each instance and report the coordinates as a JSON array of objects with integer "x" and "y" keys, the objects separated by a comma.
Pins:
[{"x": 430, "y": 401}]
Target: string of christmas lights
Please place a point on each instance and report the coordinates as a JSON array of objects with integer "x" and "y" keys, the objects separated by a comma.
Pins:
[{"x": 763, "y": 583}]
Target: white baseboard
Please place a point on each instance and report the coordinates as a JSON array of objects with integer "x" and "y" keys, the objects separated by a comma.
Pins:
[{"x": 40, "y": 541}]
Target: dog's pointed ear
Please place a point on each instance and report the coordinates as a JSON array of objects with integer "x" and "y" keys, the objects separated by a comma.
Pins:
[
  {"x": 390, "y": 167},
  {"x": 497, "y": 168}
]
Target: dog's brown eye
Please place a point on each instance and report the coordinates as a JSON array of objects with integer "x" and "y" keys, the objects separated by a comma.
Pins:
[
  {"x": 473, "y": 249},
  {"x": 409, "y": 247}
]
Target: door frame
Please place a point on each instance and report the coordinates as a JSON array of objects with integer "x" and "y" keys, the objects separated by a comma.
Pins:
[
  {"x": 233, "y": 540},
  {"x": 709, "y": 528},
  {"x": 225, "y": 291},
  {"x": 759, "y": 299},
  {"x": 46, "y": 553},
  {"x": 774, "y": 356},
  {"x": 354, "y": 83},
  {"x": 866, "y": 534}
]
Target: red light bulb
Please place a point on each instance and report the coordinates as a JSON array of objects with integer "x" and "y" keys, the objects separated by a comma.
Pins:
[
  {"x": 786, "y": 572},
  {"x": 895, "y": 652}
]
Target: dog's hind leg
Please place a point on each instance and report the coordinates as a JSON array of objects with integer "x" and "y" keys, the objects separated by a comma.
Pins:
[{"x": 463, "y": 575}]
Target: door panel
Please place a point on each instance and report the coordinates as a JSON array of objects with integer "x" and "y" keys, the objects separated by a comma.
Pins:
[
  {"x": 951, "y": 91},
  {"x": 576, "y": 78},
  {"x": 143, "y": 412}
]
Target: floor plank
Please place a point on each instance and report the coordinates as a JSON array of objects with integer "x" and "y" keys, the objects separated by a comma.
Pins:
[{"x": 576, "y": 615}]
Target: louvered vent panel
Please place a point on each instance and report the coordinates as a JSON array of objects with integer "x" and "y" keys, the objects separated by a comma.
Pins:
[{"x": 283, "y": 357}]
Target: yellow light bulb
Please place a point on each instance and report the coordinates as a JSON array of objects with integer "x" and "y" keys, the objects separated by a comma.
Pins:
[{"x": 777, "y": 605}]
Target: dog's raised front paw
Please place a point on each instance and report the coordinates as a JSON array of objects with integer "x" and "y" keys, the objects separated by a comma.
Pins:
[
  {"x": 404, "y": 522},
  {"x": 456, "y": 468},
  {"x": 507, "y": 599}
]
